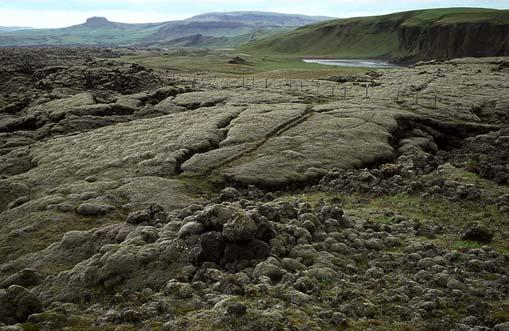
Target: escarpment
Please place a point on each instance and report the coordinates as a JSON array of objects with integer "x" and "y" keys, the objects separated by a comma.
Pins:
[{"x": 455, "y": 40}]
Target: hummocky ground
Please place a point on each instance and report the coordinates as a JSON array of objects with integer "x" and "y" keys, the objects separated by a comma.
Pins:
[{"x": 132, "y": 199}]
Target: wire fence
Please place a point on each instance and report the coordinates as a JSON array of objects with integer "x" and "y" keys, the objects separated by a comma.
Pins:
[{"x": 324, "y": 88}]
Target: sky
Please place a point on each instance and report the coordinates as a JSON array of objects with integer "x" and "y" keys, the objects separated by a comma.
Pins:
[{"x": 62, "y": 13}]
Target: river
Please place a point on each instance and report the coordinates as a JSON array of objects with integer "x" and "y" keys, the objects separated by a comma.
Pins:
[{"x": 353, "y": 63}]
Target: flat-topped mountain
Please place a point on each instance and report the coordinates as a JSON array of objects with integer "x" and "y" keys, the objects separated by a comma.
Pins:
[
  {"x": 97, "y": 22},
  {"x": 233, "y": 28}
]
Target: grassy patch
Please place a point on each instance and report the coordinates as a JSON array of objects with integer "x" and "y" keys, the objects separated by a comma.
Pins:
[
  {"x": 467, "y": 176},
  {"x": 199, "y": 187},
  {"x": 260, "y": 66},
  {"x": 453, "y": 215},
  {"x": 441, "y": 211},
  {"x": 382, "y": 219},
  {"x": 465, "y": 245},
  {"x": 46, "y": 231},
  {"x": 380, "y": 325},
  {"x": 499, "y": 313}
]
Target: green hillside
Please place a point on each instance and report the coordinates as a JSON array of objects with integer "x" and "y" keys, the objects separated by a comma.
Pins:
[{"x": 390, "y": 36}]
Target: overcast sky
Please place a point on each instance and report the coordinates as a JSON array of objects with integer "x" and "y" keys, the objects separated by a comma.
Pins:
[{"x": 61, "y": 13}]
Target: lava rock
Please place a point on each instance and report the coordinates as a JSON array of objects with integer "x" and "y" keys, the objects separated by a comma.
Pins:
[
  {"x": 212, "y": 247},
  {"x": 229, "y": 194},
  {"x": 190, "y": 228},
  {"x": 236, "y": 309},
  {"x": 269, "y": 270},
  {"x": 502, "y": 327},
  {"x": 26, "y": 278},
  {"x": 89, "y": 209},
  {"x": 17, "y": 303},
  {"x": 254, "y": 249},
  {"x": 477, "y": 232},
  {"x": 138, "y": 217},
  {"x": 240, "y": 228}
]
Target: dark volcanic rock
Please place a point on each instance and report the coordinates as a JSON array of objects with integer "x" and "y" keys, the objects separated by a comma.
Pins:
[
  {"x": 25, "y": 278},
  {"x": 240, "y": 228},
  {"x": 212, "y": 247},
  {"x": 138, "y": 217},
  {"x": 90, "y": 209},
  {"x": 238, "y": 60},
  {"x": 236, "y": 309},
  {"x": 454, "y": 40},
  {"x": 477, "y": 232},
  {"x": 16, "y": 304},
  {"x": 254, "y": 249}
]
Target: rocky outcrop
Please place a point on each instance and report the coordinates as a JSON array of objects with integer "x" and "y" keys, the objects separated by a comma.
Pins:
[{"x": 454, "y": 40}]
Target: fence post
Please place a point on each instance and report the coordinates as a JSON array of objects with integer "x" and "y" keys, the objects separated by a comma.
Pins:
[
  {"x": 266, "y": 83},
  {"x": 344, "y": 92},
  {"x": 367, "y": 90}
]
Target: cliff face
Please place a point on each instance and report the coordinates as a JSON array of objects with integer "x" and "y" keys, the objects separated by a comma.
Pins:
[
  {"x": 414, "y": 35},
  {"x": 455, "y": 40}
]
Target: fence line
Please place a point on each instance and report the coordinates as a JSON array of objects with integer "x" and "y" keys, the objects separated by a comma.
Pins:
[{"x": 318, "y": 87}]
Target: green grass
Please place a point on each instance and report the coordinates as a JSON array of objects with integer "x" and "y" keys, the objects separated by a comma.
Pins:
[
  {"x": 499, "y": 312},
  {"x": 461, "y": 245},
  {"x": 47, "y": 232},
  {"x": 382, "y": 219},
  {"x": 365, "y": 324},
  {"x": 453, "y": 215},
  {"x": 259, "y": 66},
  {"x": 368, "y": 37}
]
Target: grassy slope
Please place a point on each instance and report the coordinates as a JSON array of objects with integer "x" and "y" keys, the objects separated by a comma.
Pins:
[{"x": 367, "y": 37}]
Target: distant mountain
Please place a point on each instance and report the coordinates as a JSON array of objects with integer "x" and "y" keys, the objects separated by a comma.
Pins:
[
  {"x": 413, "y": 35},
  {"x": 95, "y": 31},
  {"x": 103, "y": 23},
  {"x": 201, "y": 41},
  {"x": 232, "y": 24},
  {"x": 216, "y": 30},
  {"x": 13, "y": 28},
  {"x": 99, "y": 22},
  {"x": 259, "y": 18}
]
